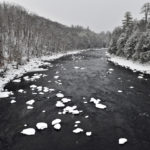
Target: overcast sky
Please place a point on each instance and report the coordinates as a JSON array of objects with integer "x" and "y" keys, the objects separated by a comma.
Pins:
[{"x": 99, "y": 15}]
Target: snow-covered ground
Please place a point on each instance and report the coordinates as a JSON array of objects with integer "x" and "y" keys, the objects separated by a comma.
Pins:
[
  {"x": 31, "y": 66},
  {"x": 132, "y": 65}
]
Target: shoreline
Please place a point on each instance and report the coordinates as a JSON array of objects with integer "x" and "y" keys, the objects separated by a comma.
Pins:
[
  {"x": 31, "y": 66},
  {"x": 135, "y": 66}
]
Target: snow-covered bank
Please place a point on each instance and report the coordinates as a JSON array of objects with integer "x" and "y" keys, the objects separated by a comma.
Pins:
[
  {"x": 32, "y": 65},
  {"x": 132, "y": 65}
]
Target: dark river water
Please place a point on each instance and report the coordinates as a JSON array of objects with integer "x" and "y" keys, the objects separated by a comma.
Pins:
[{"x": 127, "y": 114}]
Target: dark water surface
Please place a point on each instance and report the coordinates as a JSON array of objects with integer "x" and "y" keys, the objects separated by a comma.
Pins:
[{"x": 126, "y": 115}]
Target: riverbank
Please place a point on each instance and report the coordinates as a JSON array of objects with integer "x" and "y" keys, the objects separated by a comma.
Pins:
[
  {"x": 135, "y": 66},
  {"x": 32, "y": 65}
]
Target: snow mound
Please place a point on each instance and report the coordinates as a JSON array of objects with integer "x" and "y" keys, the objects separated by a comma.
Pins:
[
  {"x": 41, "y": 125},
  {"x": 28, "y": 131}
]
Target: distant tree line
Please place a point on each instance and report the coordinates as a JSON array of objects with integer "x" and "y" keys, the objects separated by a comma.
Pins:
[
  {"x": 132, "y": 40},
  {"x": 24, "y": 35}
]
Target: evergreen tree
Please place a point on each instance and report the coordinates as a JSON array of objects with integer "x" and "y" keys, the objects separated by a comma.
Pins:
[{"x": 127, "y": 22}]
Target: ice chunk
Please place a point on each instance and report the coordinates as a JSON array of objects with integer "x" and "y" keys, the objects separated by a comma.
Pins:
[
  {"x": 60, "y": 104},
  {"x": 56, "y": 121},
  {"x": 122, "y": 140},
  {"x": 41, "y": 125},
  {"x": 30, "y": 102},
  {"x": 28, "y": 131},
  {"x": 77, "y": 130}
]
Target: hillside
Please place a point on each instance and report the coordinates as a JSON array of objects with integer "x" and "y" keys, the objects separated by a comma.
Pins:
[{"x": 24, "y": 35}]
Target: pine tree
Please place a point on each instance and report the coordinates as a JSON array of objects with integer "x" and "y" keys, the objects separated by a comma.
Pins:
[{"x": 127, "y": 22}]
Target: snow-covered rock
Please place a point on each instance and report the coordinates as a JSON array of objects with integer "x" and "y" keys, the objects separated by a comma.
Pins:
[
  {"x": 120, "y": 91},
  {"x": 21, "y": 91},
  {"x": 131, "y": 87},
  {"x": 28, "y": 131},
  {"x": 41, "y": 125},
  {"x": 57, "y": 126},
  {"x": 30, "y": 102},
  {"x": 122, "y": 141},
  {"x": 76, "y": 67},
  {"x": 12, "y": 101},
  {"x": 4, "y": 94},
  {"x": 88, "y": 133},
  {"x": 56, "y": 77},
  {"x": 60, "y": 104},
  {"x": 100, "y": 106},
  {"x": 65, "y": 100},
  {"x": 30, "y": 107},
  {"x": 60, "y": 95},
  {"x": 77, "y": 122},
  {"x": 56, "y": 121},
  {"x": 97, "y": 103},
  {"x": 77, "y": 130},
  {"x": 17, "y": 80}
]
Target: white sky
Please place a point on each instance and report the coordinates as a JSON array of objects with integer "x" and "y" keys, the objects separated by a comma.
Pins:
[{"x": 99, "y": 15}]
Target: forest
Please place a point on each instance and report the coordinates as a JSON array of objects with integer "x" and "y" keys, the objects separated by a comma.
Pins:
[
  {"x": 132, "y": 39},
  {"x": 24, "y": 35}
]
